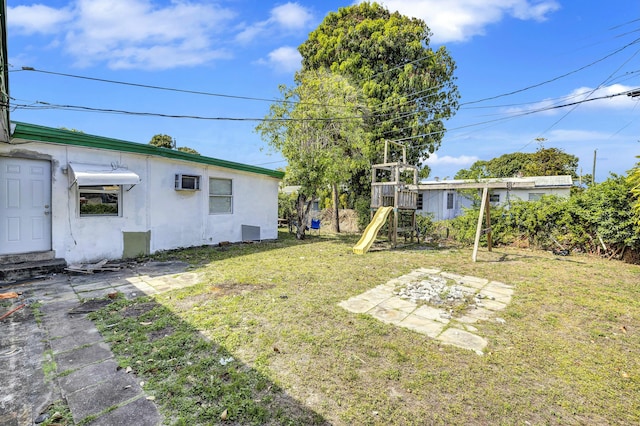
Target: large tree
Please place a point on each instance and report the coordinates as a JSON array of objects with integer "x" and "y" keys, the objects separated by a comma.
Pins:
[
  {"x": 408, "y": 87},
  {"x": 318, "y": 129}
]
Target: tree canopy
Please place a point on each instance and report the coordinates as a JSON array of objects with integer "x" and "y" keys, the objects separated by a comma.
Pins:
[
  {"x": 408, "y": 87},
  {"x": 543, "y": 162},
  {"x": 166, "y": 141},
  {"x": 163, "y": 141},
  {"x": 318, "y": 130}
]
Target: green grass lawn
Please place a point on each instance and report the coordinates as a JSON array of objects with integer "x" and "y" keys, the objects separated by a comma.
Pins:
[{"x": 261, "y": 340}]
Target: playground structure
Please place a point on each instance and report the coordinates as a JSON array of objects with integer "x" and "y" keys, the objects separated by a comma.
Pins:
[{"x": 394, "y": 199}]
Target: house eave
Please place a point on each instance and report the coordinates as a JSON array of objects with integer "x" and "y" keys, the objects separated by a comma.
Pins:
[{"x": 31, "y": 132}]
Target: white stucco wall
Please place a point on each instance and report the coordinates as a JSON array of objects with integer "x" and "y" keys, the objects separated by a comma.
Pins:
[
  {"x": 435, "y": 200},
  {"x": 175, "y": 218}
]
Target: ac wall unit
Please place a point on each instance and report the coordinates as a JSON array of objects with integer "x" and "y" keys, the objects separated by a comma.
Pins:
[{"x": 187, "y": 182}]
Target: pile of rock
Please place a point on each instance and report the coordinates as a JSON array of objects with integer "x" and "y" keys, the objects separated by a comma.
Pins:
[{"x": 434, "y": 290}]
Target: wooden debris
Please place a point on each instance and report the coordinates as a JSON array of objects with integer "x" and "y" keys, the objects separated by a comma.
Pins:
[
  {"x": 90, "y": 268},
  {"x": 9, "y": 295},
  {"x": 12, "y": 311}
]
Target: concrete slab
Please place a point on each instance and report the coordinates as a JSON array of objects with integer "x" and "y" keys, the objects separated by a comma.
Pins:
[
  {"x": 500, "y": 288},
  {"x": 140, "y": 412},
  {"x": 73, "y": 340},
  {"x": 422, "y": 325},
  {"x": 431, "y": 313},
  {"x": 96, "y": 294},
  {"x": 66, "y": 324},
  {"x": 430, "y": 320},
  {"x": 24, "y": 344},
  {"x": 391, "y": 316},
  {"x": 89, "y": 375},
  {"x": 377, "y": 295},
  {"x": 25, "y": 392},
  {"x": 95, "y": 399},
  {"x": 474, "y": 315},
  {"x": 463, "y": 339},
  {"x": 82, "y": 356},
  {"x": 398, "y": 304},
  {"x": 492, "y": 295},
  {"x": 493, "y": 305},
  {"x": 357, "y": 305},
  {"x": 474, "y": 282},
  {"x": 144, "y": 287},
  {"x": 428, "y": 271},
  {"x": 91, "y": 287},
  {"x": 457, "y": 278}
]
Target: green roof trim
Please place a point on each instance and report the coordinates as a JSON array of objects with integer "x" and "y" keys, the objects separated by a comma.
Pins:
[{"x": 33, "y": 132}]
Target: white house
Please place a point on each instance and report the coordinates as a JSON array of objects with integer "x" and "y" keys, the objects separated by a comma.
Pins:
[
  {"x": 87, "y": 198},
  {"x": 444, "y": 199}
]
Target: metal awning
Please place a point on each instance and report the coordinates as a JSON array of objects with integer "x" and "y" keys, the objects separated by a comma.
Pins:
[{"x": 101, "y": 174}]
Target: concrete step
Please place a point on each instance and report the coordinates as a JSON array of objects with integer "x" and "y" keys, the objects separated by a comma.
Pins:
[
  {"x": 6, "y": 259},
  {"x": 26, "y": 270}
]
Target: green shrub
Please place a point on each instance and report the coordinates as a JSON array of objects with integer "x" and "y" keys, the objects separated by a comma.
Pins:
[{"x": 603, "y": 211}]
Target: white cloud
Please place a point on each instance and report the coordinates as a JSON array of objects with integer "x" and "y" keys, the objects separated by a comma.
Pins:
[
  {"x": 131, "y": 33},
  {"x": 287, "y": 17},
  {"x": 460, "y": 20},
  {"x": 581, "y": 95},
  {"x": 291, "y": 15},
  {"x": 283, "y": 59},
  {"x": 37, "y": 18},
  {"x": 448, "y": 160}
]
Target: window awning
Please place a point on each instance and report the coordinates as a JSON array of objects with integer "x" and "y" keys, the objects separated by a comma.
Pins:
[{"x": 101, "y": 174}]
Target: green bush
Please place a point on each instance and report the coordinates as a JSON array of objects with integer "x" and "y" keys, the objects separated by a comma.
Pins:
[
  {"x": 601, "y": 212},
  {"x": 363, "y": 210}
]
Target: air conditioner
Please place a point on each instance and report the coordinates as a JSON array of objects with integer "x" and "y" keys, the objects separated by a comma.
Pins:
[{"x": 187, "y": 182}]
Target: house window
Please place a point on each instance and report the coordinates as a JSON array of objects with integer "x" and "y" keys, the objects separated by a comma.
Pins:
[
  {"x": 535, "y": 196},
  {"x": 187, "y": 182},
  {"x": 220, "y": 196},
  {"x": 99, "y": 200},
  {"x": 494, "y": 198},
  {"x": 419, "y": 201},
  {"x": 450, "y": 201}
]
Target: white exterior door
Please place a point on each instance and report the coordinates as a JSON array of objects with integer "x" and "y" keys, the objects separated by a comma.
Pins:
[{"x": 25, "y": 205}]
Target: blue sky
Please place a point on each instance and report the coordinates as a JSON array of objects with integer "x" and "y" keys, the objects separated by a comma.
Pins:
[{"x": 581, "y": 51}]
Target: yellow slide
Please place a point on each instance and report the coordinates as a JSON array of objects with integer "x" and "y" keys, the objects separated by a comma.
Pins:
[{"x": 372, "y": 230}]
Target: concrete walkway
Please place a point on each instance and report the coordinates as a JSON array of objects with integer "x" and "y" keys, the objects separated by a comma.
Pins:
[
  {"x": 437, "y": 323},
  {"x": 61, "y": 355}
]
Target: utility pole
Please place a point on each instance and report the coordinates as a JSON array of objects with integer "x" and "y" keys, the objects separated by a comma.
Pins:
[{"x": 593, "y": 173}]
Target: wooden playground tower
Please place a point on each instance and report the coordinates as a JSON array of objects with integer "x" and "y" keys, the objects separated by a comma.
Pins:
[{"x": 393, "y": 184}]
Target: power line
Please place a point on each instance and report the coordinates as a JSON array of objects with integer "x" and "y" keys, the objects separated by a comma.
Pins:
[
  {"x": 149, "y": 86},
  {"x": 517, "y": 115},
  {"x": 555, "y": 78},
  {"x": 40, "y": 105}
]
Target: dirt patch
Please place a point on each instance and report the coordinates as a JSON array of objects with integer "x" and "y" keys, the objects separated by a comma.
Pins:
[
  {"x": 631, "y": 256},
  {"x": 90, "y": 306},
  {"x": 159, "y": 334},
  {"x": 137, "y": 309},
  {"x": 348, "y": 220}
]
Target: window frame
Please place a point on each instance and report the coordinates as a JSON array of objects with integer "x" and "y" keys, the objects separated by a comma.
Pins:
[
  {"x": 93, "y": 189},
  {"x": 450, "y": 200},
  {"x": 228, "y": 196},
  {"x": 494, "y": 198}
]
